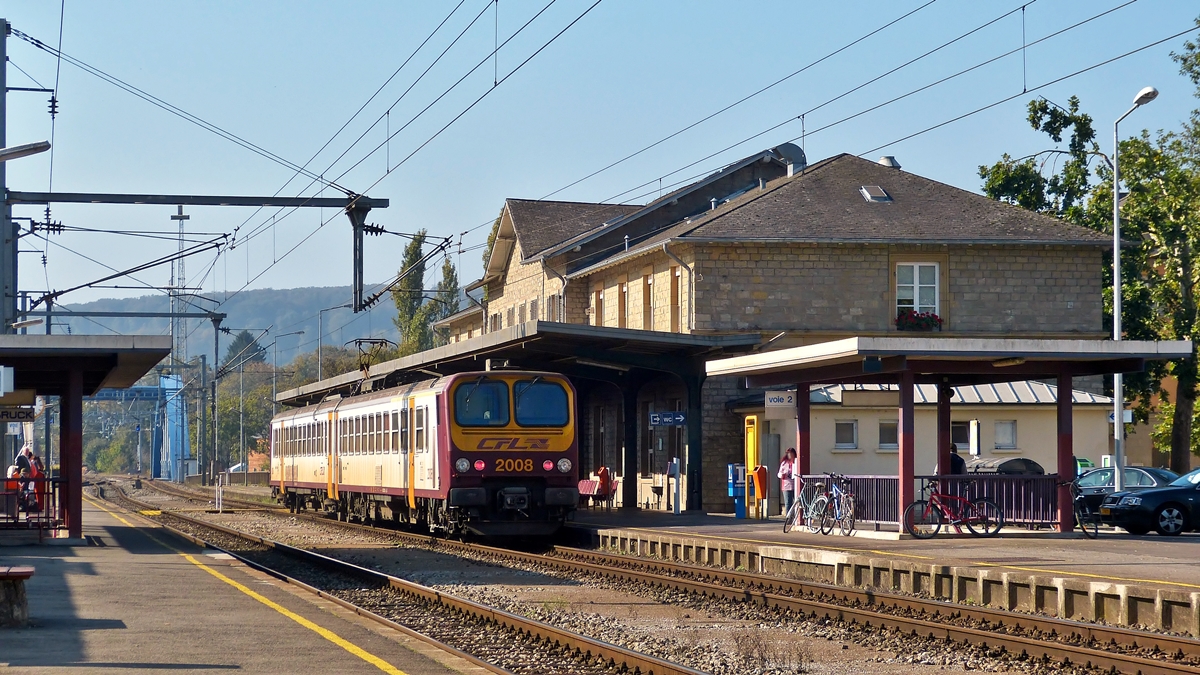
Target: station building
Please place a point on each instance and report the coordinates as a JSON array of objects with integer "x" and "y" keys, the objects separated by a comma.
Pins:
[{"x": 768, "y": 253}]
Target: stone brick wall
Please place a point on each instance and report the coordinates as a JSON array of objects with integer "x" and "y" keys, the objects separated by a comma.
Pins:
[
  {"x": 984, "y": 289},
  {"x": 723, "y": 442},
  {"x": 657, "y": 268}
]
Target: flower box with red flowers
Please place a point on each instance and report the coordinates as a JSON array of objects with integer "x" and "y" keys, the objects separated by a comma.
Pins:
[{"x": 921, "y": 321}]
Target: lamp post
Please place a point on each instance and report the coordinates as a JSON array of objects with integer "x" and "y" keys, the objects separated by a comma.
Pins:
[
  {"x": 321, "y": 336},
  {"x": 275, "y": 364},
  {"x": 1143, "y": 97}
]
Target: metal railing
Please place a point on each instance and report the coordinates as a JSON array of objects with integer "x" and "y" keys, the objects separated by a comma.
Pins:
[
  {"x": 1031, "y": 501},
  {"x": 875, "y": 497},
  {"x": 30, "y": 503}
]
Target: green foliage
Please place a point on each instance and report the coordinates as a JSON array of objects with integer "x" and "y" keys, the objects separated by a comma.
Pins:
[
  {"x": 446, "y": 300},
  {"x": 244, "y": 348},
  {"x": 1160, "y": 435},
  {"x": 412, "y": 316},
  {"x": 491, "y": 240}
]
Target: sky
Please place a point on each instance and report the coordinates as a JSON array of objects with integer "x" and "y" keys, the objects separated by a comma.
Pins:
[{"x": 286, "y": 76}]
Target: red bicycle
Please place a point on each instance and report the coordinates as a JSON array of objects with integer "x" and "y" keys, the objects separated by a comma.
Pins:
[{"x": 923, "y": 518}]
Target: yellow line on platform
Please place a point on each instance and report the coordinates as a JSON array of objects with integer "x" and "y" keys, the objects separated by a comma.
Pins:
[
  {"x": 319, "y": 630},
  {"x": 1070, "y": 573}
]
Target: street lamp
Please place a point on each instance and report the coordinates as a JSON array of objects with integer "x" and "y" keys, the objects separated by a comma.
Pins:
[
  {"x": 275, "y": 364},
  {"x": 1143, "y": 97},
  {"x": 19, "y": 151},
  {"x": 321, "y": 336}
]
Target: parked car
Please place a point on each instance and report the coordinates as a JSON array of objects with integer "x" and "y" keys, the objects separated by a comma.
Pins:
[
  {"x": 1167, "y": 510},
  {"x": 1098, "y": 483}
]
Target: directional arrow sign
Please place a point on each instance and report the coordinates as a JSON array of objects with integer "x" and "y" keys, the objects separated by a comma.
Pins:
[{"x": 1128, "y": 417}]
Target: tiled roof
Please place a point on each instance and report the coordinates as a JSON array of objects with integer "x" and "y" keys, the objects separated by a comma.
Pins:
[
  {"x": 825, "y": 204},
  {"x": 539, "y": 225}
]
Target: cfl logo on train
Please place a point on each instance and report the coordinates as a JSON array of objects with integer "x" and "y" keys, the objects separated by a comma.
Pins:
[{"x": 513, "y": 444}]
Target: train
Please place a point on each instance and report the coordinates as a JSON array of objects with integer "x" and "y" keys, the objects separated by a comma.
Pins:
[{"x": 493, "y": 453}]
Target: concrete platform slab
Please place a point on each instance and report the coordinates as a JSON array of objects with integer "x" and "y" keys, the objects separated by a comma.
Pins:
[
  {"x": 138, "y": 599},
  {"x": 1120, "y": 579}
]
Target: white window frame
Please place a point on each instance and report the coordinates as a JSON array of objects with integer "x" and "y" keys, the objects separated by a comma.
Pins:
[
  {"x": 889, "y": 447},
  {"x": 996, "y": 435},
  {"x": 845, "y": 446},
  {"x": 917, "y": 285}
]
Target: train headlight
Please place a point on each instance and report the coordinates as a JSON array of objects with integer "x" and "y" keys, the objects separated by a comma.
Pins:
[
  {"x": 479, "y": 464},
  {"x": 463, "y": 465},
  {"x": 548, "y": 465},
  {"x": 564, "y": 465}
]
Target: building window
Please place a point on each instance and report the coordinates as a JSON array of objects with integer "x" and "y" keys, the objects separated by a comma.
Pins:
[
  {"x": 960, "y": 435},
  {"x": 647, "y": 302},
  {"x": 1006, "y": 434},
  {"x": 845, "y": 434},
  {"x": 521, "y": 313},
  {"x": 533, "y": 309},
  {"x": 889, "y": 434},
  {"x": 552, "y": 308},
  {"x": 510, "y": 316},
  {"x": 676, "y": 304},
  {"x": 917, "y": 287},
  {"x": 598, "y": 307},
  {"x": 622, "y": 305}
]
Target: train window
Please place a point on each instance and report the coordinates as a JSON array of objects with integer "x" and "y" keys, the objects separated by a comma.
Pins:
[
  {"x": 395, "y": 431},
  {"x": 481, "y": 403},
  {"x": 404, "y": 432},
  {"x": 387, "y": 432},
  {"x": 540, "y": 403},
  {"x": 371, "y": 435},
  {"x": 419, "y": 429}
]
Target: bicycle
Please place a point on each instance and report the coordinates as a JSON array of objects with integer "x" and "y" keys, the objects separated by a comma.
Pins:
[
  {"x": 1085, "y": 518},
  {"x": 923, "y": 518},
  {"x": 839, "y": 506},
  {"x": 806, "y": 511}
]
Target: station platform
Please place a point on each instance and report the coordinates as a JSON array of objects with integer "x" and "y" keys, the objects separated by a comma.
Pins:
[
  {"x": 138, "y": 599},
  {"x": 1122, "y": 579}
]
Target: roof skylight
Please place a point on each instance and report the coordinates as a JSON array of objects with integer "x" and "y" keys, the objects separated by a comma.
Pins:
[{"x": 874, "y": 193}]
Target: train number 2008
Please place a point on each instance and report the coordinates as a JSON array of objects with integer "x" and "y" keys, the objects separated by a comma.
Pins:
[{"x": 514, "y": 465}]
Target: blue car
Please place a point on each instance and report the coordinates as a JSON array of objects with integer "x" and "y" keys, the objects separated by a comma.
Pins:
[{"x": 1169, "y": 510}]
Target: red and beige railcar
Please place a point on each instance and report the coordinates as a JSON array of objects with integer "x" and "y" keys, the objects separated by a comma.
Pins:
[{"x": 494, "y": 453}]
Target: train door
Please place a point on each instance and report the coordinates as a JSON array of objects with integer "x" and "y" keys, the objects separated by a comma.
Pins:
[
  {"x": 411, "y": 473},
  {"x": 332, "y": 459}
]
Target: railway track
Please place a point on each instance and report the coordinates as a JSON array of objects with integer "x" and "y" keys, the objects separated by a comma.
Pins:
[
  {"x": 1037, "y": 637},
  {"x": 578, "y": 653}
]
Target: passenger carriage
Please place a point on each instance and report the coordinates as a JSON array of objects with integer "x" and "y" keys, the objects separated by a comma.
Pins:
[{"x": 493, "y": 453}]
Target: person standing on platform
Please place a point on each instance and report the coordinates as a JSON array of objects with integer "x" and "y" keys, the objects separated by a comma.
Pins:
[
  {"x": 958, "y": 465},
  {"x": 787, "y": 479}
]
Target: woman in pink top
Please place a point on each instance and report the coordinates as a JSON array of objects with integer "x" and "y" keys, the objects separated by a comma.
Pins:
[{"x": 787, "y": 470}]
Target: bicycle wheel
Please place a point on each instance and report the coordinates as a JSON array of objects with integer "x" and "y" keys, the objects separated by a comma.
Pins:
[
  {"x": 846, "y": 522},
  {"x": 793, "y": 514},
  {"x": 984, "y": 518},
  {"x": 1087, "y": 521},
  {"x": 815, "y": 513},
  {"x": 828, "y": 517},
  {"x": 922, "y": 520}
]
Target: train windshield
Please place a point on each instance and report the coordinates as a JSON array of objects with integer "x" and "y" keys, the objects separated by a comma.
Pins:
[
  {"x": 540, "y": 403},
  {"x": 481, "y": 403}
]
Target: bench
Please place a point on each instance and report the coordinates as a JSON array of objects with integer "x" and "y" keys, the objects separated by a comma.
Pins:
[
  {"x": 591, "y": 489},
  {"x": 14, "y": 608}
]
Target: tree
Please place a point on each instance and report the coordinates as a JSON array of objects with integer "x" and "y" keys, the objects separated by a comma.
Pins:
[
  {"x": 446, "y": 299},
  {"x": 1160, "y": 272},
  {"x": 244, "y": 348},
  {"x": 412, "y": 319}
]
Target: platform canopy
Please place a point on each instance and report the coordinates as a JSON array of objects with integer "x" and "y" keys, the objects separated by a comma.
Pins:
[
  {"x": 953, "y": 361},
  {"x": 41, "y": 362},
  {"x": 946, "y": 362},
  {"x": 591, "y": 352}
]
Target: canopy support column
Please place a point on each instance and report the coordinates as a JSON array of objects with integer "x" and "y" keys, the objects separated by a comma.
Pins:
[
  {"x": 629, "y": 419},
  {"x": 695, "y": 464},
  {"x": 1066, "y": 453},
  {"x": 71, "y": 453},
  {"x": 944, "y": 439},
  {"x": 908, "y": 443},
  {"x": 803, "y": 430}
]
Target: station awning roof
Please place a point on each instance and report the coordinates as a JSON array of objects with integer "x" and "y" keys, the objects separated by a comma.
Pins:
[
  {"x": 571, "y": 349},
  {"x": 41, "y": 362},
  {"x": 953, "y": 361}
]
